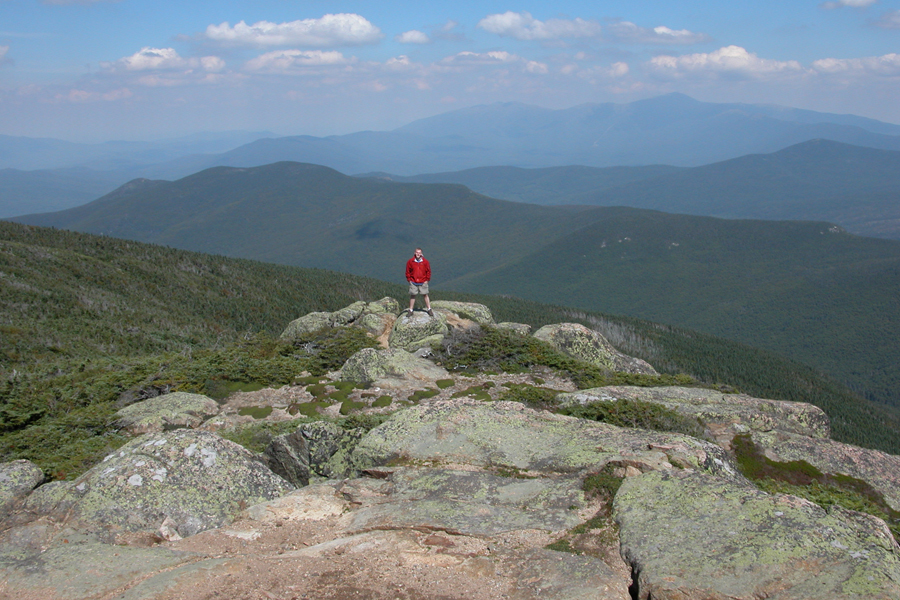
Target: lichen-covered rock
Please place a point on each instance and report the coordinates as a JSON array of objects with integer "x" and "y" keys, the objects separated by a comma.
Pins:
[
  {"x": 17, "y": 479},
  {"x": 301, "y": 328},
  {"x": 583, "y": 343},
  {"x": 723, "y": 415},
  {"x": 379, "y": 325},
  {"x": 472, "y": 502},
  {"x": 690, "y": 535},
  {"x": 386, "y": 305},
  {"x": 390, "y": 368},
  {"x": 80, "y": 567},
  {"x": 473, "y": 311},
  {"x": 511, "y": 435},
  {"x": 417, "y": 331},
  {"x": 169, "y": 411},
  {"x": 196, "y": 479},
  {"x": 288, "y": 456},
  {"x": 348, "y": 314},
  {"x": 319, "y": 449},
  {"x": 330, "y": 448},
  {"x": 520, "y": 328},
  {"x": 306, "y": 325},
  {"x": 878, "y": 469}
]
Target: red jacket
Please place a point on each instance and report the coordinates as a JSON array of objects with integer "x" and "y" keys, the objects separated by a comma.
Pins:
[{"x": 418, "y": 272}]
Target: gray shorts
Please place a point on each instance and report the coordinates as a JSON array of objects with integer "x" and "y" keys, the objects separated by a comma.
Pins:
[{"x": 418, "y": 288}]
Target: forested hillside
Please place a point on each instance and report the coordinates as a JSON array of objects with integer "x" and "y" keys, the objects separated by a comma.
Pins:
[{"x": 89, "y": 322}]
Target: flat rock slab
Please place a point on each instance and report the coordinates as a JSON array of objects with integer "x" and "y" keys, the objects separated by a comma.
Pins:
[
  {"x": 169, "y": 411},
  {"x": 78, "y": 566},
  {"x": 511, "y": 435},
  {"x": 690, "y": 535},
  {"x": 726, "y": 415},
  {"x": 473, "y": 503},
  {"x": 878, "y": 469},
  {"x": 194, "y": 479}
]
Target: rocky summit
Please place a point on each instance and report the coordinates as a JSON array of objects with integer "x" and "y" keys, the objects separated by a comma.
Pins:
[{"x": 398, "y": 477}]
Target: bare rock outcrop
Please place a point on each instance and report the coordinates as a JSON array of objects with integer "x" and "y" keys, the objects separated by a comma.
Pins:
[
  {"x": 723, "y": 415},
  {"x": 169, "y": 411},
  {"x": 738, "y": 543},
  {"x": 191, "y": 480},
  {"x": 583, "y": 343}
]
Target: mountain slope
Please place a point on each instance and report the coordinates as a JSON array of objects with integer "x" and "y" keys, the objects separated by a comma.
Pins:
[
  {"x": 83, "y": 316},
  {"x": 548, "y": 186},
  {"x": 803, "y": 289},
  {"x": 806, "y": 290},
  {"x": 856, "y": 187},
  {"x": 308, "y": 215}
]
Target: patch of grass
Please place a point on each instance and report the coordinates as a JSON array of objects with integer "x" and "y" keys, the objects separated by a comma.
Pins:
[
  {"x": 257, "y": 436},
  {"x": 318, "y": 390},
  {"x": 802, "y": 479},
  {"x": 537, "y": 397},
  {"x": 307, "y": 409},
  {"x": 443, "y": 384},
  {"x": 636, "y": 414},
  {"x": 382, "y": 401},
  {"x": 362, "y": 421},
  {"x": 419, "y": 395},
  {"x": 603, "y": 485},
  {"x": 562, "y": 545},
  {"x": 349, "y": 406},
  {"x": 257, "y": 412}
]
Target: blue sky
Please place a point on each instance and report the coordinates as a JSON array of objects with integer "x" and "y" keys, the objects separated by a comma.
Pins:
[{"x": 134, "y": 69}]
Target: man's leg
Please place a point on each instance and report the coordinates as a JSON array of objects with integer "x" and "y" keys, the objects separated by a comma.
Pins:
[
  {"x": 412, "y": 303},
  {"x": 428, "y": 305}
]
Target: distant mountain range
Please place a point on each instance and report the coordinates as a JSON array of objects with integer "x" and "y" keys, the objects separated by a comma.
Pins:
[
  {"x": 804, "y": 289},
  {"x": 668, "y": 130},
  {"x": 857, "y": 187}
]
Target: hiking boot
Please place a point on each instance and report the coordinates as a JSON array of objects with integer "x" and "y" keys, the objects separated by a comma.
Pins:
[
  {"x": 409, "y": 312},
  {"x": 430, "y": 312}
]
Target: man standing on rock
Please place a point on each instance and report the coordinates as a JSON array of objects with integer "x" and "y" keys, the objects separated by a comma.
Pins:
[{"x": 418, "y": 274}]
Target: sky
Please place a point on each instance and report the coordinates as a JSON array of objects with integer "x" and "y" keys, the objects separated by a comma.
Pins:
[{"x": 98, "y": 70}]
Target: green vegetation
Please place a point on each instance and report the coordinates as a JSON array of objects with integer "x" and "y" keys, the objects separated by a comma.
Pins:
[
  {"x": 601, "y": 486},
  {"x": 802, "y": 479},
  {"x": 805, "y": 290},
  {"x": 637, "y": 414},
  {"x": 89, "y": 324}
]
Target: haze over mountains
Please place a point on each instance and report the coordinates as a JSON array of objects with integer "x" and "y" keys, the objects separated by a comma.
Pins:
[
  {"x": 804, "y": 289},
  {"x": 857, "y": 187},
  {"x": 668, "y": 130}
]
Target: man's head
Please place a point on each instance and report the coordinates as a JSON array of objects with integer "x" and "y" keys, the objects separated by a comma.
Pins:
[{"x": 418, "y": 253}]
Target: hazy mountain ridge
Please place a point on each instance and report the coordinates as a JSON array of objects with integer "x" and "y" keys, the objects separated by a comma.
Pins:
[
  {"x": 856, "y": 187},
  {"x": 667, "y": 130}
]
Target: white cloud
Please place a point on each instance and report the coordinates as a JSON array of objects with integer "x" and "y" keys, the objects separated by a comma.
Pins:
[
  {"x": 79, "y": 96},
  {"x": 292, "y": 60},
  {"x": 3, "y": 51},
  {"x": 850, "y": 3},
  {"x": 889, "y": 20},
  {"x": 522, "y": 26},
  {"x": 495, "y": 58},
  {"x": 154, "y": 59},
  {"x": 412, "y": 37},
  {"x": 331, "y": 30},
  {"x": 625, "y": 31},
  {"x": 732, "y": 60},
  {"x": 887, "y": 65}
]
